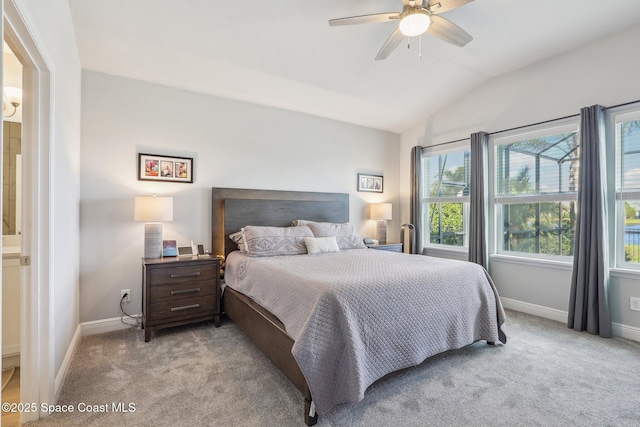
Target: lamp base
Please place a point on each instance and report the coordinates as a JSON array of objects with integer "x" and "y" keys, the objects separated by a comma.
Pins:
[
  {"x": 153, "y": 240},
  {"x": 381, "y": 231}
]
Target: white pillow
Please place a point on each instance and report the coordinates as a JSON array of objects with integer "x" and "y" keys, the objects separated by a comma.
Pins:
[{"x": 321, "y": 245}]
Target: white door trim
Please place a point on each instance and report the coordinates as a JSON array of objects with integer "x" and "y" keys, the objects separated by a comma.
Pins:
[{"x": 37, "y": 378}]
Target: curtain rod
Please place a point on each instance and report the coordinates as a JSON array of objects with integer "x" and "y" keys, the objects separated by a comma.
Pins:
[
  {"x": 534, "y": 124},
  {"x": 623, "y": 104},
  {"x": 448, "y": 142}
]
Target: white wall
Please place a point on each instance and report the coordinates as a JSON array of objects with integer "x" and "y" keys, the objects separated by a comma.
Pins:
[
  {"x": 50, "y": 26},
  {"x": 234, "y": 144},
  {"x": 606, "y": 73}
]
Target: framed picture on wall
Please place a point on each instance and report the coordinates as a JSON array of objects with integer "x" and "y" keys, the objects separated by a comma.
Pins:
[
  {"x": 156, "y": 167},
  {"x": 370, "y": 183}
]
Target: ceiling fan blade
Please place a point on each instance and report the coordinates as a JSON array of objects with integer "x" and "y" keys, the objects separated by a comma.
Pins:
[
  {"x": 392, "y": 42},
  {"x": 440, "y": 6},
  {"x": 448, "y": 31},
  {"x": 365, "y": 19}
]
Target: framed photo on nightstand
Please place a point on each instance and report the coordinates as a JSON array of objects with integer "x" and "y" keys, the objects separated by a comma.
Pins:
[
  {"x": 186, "y": 251},
  {"x": 169, "y": 248}
]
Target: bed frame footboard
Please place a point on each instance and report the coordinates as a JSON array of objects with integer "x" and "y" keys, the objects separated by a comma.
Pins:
[{"x": 270, "y": 336}]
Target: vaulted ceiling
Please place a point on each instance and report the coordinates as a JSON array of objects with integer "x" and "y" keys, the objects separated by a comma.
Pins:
[{"x": 283, "y": 53}]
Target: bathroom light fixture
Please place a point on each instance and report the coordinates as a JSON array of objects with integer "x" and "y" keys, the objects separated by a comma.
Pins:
[
  {"x": 13, "y": 96},
  {"x": 153, "y": 210},
  {"x": 381, "y": 212}
]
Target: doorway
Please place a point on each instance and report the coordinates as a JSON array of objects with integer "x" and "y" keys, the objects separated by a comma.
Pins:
[
  {"x": 37, "y": 362},
  {"x": 11, "y": 230}
]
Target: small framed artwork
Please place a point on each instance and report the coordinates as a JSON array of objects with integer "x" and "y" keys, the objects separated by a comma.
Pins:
[
  {"x": 169, "y": 248},
  {"x": 155, "y": 167},
  {"x": 370, "y": 183}
]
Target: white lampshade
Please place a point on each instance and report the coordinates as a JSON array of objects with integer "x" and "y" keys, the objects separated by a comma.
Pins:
[
  {"x": 380, "y": 211},
  {"x": 153, "y": 210},
  {"x": 415, "y": 23},
  {"x": 14, "y": 94}
]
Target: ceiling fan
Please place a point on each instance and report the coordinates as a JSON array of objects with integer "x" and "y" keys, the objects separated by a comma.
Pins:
[{"x": 416, "y": 18}]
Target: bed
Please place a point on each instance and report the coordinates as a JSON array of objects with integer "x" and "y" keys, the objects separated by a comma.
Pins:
[{"x": 331, "y": 328}]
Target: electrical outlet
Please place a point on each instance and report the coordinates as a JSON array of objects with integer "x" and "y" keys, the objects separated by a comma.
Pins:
[
  {"x": 124, "y": 292},
  {"x": 635, "y": 303}
]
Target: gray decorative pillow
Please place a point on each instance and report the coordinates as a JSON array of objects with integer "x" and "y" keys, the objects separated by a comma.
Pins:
[
  {"x": 275, "y": 241},
  {"x": 238, "y": 239},
  {"x": 345, "y": 234},
  {"x": 299, "y": 222}
]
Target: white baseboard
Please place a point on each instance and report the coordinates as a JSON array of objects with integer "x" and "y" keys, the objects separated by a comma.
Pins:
[
  {"x": 10, "y": 350},
  {"x": 618, "y": 329},
  {"x": 66, "y": 362},
  {"x": 624, "y": 331},
  {"x": 534, "y": 309},
  {"x": 104, "y": 325}
]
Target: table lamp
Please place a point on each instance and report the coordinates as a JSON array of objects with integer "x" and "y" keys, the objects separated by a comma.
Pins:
[
  {"x": 153, "y": 210},
  {"x": 381, "y": 212}
]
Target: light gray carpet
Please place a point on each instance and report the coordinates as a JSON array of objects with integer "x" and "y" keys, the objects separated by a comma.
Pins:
[{"x": 546, "y": 375}]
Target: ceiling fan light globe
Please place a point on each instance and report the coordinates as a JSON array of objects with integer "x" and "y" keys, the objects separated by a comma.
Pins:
[{"x": 414, "y": 24}]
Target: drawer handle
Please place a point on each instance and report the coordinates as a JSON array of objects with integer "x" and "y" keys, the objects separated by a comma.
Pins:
[
  {"x": 185, "y": 291},
  {"x": 185, "y": 307},
  {"x": 173, "y": 276}
]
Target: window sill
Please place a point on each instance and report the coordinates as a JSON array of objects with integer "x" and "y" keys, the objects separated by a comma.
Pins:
[
  {"x": 625, "y": 273},
  {"x": 446, "y": 252},
  {"x": 535, "y": 262}
]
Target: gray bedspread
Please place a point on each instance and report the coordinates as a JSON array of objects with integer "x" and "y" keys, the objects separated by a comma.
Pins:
[{"x": 358, "y": 315}]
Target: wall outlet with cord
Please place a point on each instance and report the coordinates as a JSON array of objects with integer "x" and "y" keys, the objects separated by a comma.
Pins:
[{"x": 125, "y": 295}]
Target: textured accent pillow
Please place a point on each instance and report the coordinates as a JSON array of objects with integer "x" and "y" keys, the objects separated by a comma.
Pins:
[
  {"x": 321, "y": 245},
  {"x": 275, "y": 241},
  {"x": 299, "y": 222},
  {"x": 238, "y": 239},
  {"x": 345, "y": 234}
]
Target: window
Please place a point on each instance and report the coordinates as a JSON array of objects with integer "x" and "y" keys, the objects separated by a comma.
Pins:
[
  {"x": 627, "y": 134},
  {"x": 446, "y": 175},
  {"x": 536, "y": 183}
]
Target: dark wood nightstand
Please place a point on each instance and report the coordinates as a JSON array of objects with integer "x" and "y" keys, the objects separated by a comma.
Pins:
[
  {"x": 391, "y": 247},
  {"x": 178, "y": 291}
]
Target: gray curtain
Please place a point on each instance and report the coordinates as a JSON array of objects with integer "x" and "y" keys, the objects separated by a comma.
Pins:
[
  {"x": 478, "y": 213},
  {"x": 416, "y": 197},
  {"x": 589, "y": 302}
]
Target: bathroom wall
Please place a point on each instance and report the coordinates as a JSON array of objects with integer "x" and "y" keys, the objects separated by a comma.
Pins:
[{"x": 11, "y": 147}]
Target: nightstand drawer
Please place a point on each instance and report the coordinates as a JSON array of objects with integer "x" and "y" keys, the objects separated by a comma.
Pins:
[
  {"x": 178, "y": 291},
  {"x": 190, "y": 273},
  {"x": 182, "y": 309}
]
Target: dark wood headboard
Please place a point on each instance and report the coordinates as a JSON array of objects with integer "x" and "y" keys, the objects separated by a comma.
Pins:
[{"x": 234, "y": 208}]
